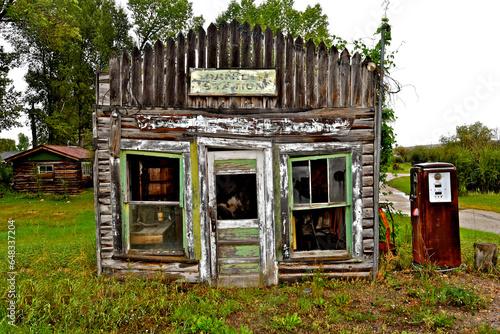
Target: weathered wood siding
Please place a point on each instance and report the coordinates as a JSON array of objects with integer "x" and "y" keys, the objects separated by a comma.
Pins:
[
  {"x": 67, "y": 177},
  {"x": 310, "y": 76},
  {"x": 312, "y": 83}
]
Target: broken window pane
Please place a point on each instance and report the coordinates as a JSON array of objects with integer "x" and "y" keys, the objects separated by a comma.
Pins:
[
  {"x": 319, "y": 181},
  {"x": 236, "y": 196},
  {"x": 319, "y": 229},
  {"x": 156, "y": 227},
  {"x": 337, "y": 170},
  {"x": 154, "y": 178},
  {"x": 300, "y": 182}
]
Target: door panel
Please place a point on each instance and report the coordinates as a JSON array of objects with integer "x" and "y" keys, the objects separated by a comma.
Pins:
[{"x": 236, "y": 211}]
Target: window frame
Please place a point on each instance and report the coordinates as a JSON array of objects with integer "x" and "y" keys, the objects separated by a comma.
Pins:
[
  {"x": 86, "y": 168},
  {"x": 312, "y": 206},
  {"x": 354, "y": 225},
  {"x": 179, "y": 150},
  {"x": 47, "y": 176}
]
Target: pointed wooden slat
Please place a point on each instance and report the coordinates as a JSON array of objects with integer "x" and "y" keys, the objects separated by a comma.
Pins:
[
  {"x": 355, "y": 94},
  {"x": 257, "y": 46},
  {"x": 114, "y": 80},
  {"x": 322, "y": 75},
  {"x": 345, "y": 73},
  {"x": 136, "y": 77},
  {"x": 310, "y": 85},
  {"x": 299, "y": 73},
  {"x": 170, "y": 73},
  {"x": 246, "y": 40},
  {"x": 125, "y": 78},
  {"x": 212, "y": 46},
  {"x": 333, "y": 77},
  {"x": 191, "y": 62},
  {"x": 202, "y": 53},
  {"x": 235, "y": 43},
  {"x": 289, "y": 71},
  {"x": 366, "y": 84},
  {"x": 202, "y": 101},
  {"x": 246, "y": 60},
  {"x": 268, "y": 48},
  {"x": 223, "y": 47},
  {"x": 148, "y": 84},
  {"x": 180, "y": 79},
  {"x": 212, "y": 57},
  {"x": 279, "y": 65},
  {"x": 159, "y": 73}
]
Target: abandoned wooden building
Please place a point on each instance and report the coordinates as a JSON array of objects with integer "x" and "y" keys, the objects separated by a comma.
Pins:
[
  {"x": 52, "y": 169},
  {"x": 236, "y": 157}
]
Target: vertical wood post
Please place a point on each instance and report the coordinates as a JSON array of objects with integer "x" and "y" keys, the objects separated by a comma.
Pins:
[
  {"x": 125, "y": 78},
  {"x": 289, "y": 72},
  {"x": 310, "y": 86},
  {"x": 136, "y": 77},
  {"x": 485, "y": 256},
  {"x": 180, "y": 80},
  {"x": 322, "y": 75},
  {"x": 170, "y": 73},
  {"x": 299, "y": 73},
  {"x": 279, "y": 65},
  {"x": 114, "y": 80},
  {"x": 148, "y": 88},
  {"x": 333, "y": 77},
  {"x": 159, "y": 74}
]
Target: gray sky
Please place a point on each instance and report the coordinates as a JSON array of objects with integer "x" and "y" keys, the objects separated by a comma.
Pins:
[{"x": 445, "y": 59}]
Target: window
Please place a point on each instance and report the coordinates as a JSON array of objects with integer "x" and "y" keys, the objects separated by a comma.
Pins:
[
  {"x": 320, "y": 201},
  {"x": 86, "y": 169},
  {"x": 46, "y": 171},
  {"x": 155, "y": 206}
]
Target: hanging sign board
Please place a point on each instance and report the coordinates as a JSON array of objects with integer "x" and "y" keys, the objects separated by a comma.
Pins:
[{"x": 232, "y": 82}]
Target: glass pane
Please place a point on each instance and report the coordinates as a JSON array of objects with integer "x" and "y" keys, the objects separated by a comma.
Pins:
[
  {"x": 319, "y": 229},
  {"x": 337, "y": 174},
  {"x": 156, "y": 227},
  {"x": 236, "y": 196},
  {"x": 154, "y": 178},
  {"x": 300, "y": 182},
  {"x": 319, "y": 181}
]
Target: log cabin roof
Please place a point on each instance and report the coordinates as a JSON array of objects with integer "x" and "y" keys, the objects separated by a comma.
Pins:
[{"x": 71, "y": 152}]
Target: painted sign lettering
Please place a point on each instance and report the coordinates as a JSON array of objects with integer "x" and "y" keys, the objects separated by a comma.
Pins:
[
  {"x": 233, "y": 82},
  {"x": 245, "y": 125}
]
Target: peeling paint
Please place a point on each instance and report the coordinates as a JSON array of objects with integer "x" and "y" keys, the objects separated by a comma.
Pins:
[{"x": 249, "y": 126}]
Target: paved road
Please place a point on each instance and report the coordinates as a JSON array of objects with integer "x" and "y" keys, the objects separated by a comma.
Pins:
[{"x": 473, "y": 219}]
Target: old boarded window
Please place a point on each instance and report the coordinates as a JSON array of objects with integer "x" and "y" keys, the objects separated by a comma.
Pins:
[
  {"x": 320, "y": 202},
  {"x": 155, "y": 206},
  {"x": 46, "y": 171}
]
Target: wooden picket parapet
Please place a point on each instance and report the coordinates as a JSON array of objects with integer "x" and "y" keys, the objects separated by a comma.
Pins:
[{"x": 307, "y": 76}]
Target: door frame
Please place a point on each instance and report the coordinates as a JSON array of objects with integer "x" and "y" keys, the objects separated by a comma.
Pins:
[{"x": 269, "y": 272}]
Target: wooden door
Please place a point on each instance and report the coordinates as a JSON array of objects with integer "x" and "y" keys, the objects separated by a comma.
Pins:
[{"x": 236, "y": 217}]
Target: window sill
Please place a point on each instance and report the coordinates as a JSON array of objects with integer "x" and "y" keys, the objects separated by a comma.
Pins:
[
  {"x": 319, "y": 256},
  {"x": 161, "y": 258}
]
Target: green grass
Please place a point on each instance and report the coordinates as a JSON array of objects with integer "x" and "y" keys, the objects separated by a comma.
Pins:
[
  {"x": 401, "y": 183},
  {"x": 59, "y": 291},
  {"x": 489, "y": 202}
]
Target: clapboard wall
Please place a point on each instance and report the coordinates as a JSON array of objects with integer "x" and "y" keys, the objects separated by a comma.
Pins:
[{"x": 312, "y": 81}]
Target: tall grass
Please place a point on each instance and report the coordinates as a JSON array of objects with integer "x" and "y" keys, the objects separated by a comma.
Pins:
[{"x": 58, "y": 290}]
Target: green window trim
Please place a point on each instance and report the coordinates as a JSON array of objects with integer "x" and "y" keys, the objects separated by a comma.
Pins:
[
  {"x": 297, "y": 207},
  {"x": 128, "y": 203}
]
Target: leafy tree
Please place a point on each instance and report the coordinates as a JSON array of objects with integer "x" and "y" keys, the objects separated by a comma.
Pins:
[
  {"x": 62, "y": 43},
  {"x": 10, "y": 106},
  {"x": 472, "y": 137},
  {"x": 280, "y": 14},
  {"x": 7, "y": 145},
  {"x": 159, "y": 19},
  {"x": 23, "y": 142}
]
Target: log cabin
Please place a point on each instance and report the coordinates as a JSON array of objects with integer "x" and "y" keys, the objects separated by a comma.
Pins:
[
  {"x": 52, "y": 169},
  {"x": 236, "y": 157}
]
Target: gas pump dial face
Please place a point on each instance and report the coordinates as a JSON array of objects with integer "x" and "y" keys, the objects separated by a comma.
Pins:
[{"x": 439, "y": 187}]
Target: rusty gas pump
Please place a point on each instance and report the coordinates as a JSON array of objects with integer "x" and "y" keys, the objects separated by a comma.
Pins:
[{"x": 434, "y": 214}]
